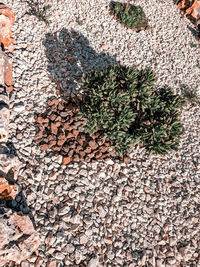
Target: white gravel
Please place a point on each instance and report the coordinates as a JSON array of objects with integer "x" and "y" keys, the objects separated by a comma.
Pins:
[{"x": 106, "y": 213}]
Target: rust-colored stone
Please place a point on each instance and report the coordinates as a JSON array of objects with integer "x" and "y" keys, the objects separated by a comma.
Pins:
[
  {"x": 71, "y": 152},
  {"x": 98, "y": 155},
  {"x": 53, "y": 101},
  {"x": 93, "y": 144},
  {"x": 75, "y": 133},
  {"x": 52, "y": 143},
  {"x": 56, "y": 148},
  {"x": 54, "y": 128},
  {"x": 53, "y": 117},
  {"x": 69, "y": 135},
  {"x": 42, "y": 120},
  {"x": 44, "y": 147},
  {"x": 60, "y": 142},
  {"x": 61, "y": 136},
  {"x": 127, "y": 160},
  {"x": 7, "y": 191},
  {"x": 61, "y": 106},
  {"x": 7, "y": 19},
  {"x": 88, "y": 150},
  {"x": 8, "y": 78},
  {"x": 194, "y": 10},
  {"x": 66, "y": 160},
  {"x": 103, "y": 149}
]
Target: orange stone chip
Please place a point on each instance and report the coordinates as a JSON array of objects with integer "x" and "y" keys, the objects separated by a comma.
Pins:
[{"x": 66, "y": 160}]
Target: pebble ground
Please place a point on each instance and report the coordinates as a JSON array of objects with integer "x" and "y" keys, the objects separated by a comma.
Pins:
[{"x": 107, "y": 213}]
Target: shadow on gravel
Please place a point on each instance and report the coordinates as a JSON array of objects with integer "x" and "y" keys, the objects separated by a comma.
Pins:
[
  {"x": 195, "y": 32},
  {"x": 190, "y": 95},
  {"x": 70, "y": 54},
  {"x": 19, "y": 204}
]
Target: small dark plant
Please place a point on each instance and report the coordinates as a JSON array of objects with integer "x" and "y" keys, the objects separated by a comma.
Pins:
[
  {"x": 193, "y": 45},
  {"x": 38, "y": 10},
  {"x": 131, "y": 16},
  {"x": 79, "y": 22},
  {"x": 120, "y": 102}
]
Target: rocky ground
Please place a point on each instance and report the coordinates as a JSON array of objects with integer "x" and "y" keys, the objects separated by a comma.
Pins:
[{"x": 106, "y": 213}]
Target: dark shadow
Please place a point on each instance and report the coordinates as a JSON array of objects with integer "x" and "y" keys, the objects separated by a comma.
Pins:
[
  {"x": 69, "y": 54},
  {"x": 12, "y": 150},
  {"x": 18, "y": 204},
  {"x": 195, "y": 32},
  {"x": 189, "y": 95}
]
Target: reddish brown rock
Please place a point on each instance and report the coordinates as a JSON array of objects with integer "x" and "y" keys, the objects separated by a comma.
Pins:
[
  {"x": 61, "y": 142},
  {"x": 76, "y": 157},
  {"x": 8, "y": 78},
  {"x": 66, "y": 148},
  {"x": 52, "y": 143},
  {"x": 75, "y": 133},
  {"x": 98, "y": 154},
  {"x": 70, "y": 153},
  {"x": 56, "y": 148},
  {"x": 127, "y": 160},
  {"x": 44, "y": 147},
  {"x": 81, "y": 139},
  {"x": 103, "y": 149},
  {"x": 53, "y": 102},
  {"x": 93, "y": 144},
  {"x": 66, "y": 160},
  {"x": 91, "y": 155},
  {"x": 82, "y": 154},
  {"x": 53, "y": 117},
  {"x": 61, "y": 106},
  {"x": 7, "y": 19},
  {"x": 18, "y": 239},
  {"x": 61, "y": 136},
  {"x": 66, "y": 126},
  {"x": 88, "y": 150},
  {"x": 107, "y": 144},
  {"x": 42, "y": 120},
  {"x": 78, "y": 148},
  {"x": 7, "y": 191},
  {"x": 69, "y": 135},
  {"x": 194, "y": 10},
  {"x": 54, "y": 128},
  {"x": 39, "y": 135},
  {"x": 4, "y": 122},
  {"x": 50, "y": 137}
]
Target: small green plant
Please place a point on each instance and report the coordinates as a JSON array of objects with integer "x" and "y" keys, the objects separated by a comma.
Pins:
[
  {"x": 120, "y": 102},
  {"x": 38, "y": 10},
  {"x": 79, "y": 22},
  {"x": 193, "y": 45},
  {"x": 131, "y": 16}
]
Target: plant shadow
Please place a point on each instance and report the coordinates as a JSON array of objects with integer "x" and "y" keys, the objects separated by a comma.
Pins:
[
  {"x": 195, "y": 32},
  {"x": 69, "y": 55},
  {"x": 190, "y": 95}
]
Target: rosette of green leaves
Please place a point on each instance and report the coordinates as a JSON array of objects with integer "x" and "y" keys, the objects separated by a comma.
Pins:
[
  {"x": 132, "y": 17},
  {"x": 158, "y": 126},
  {"x": 106, "y": 105},
  {"x": 121, "y": 103}
]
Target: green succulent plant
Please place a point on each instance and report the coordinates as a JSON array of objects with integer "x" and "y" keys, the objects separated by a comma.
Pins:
[
  {"x": 121, "y": 103},
  {"x": 131, "y": 16}
]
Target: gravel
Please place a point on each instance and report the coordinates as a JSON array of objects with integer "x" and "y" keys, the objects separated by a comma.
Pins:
[{"x": 106, "y": 213}]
